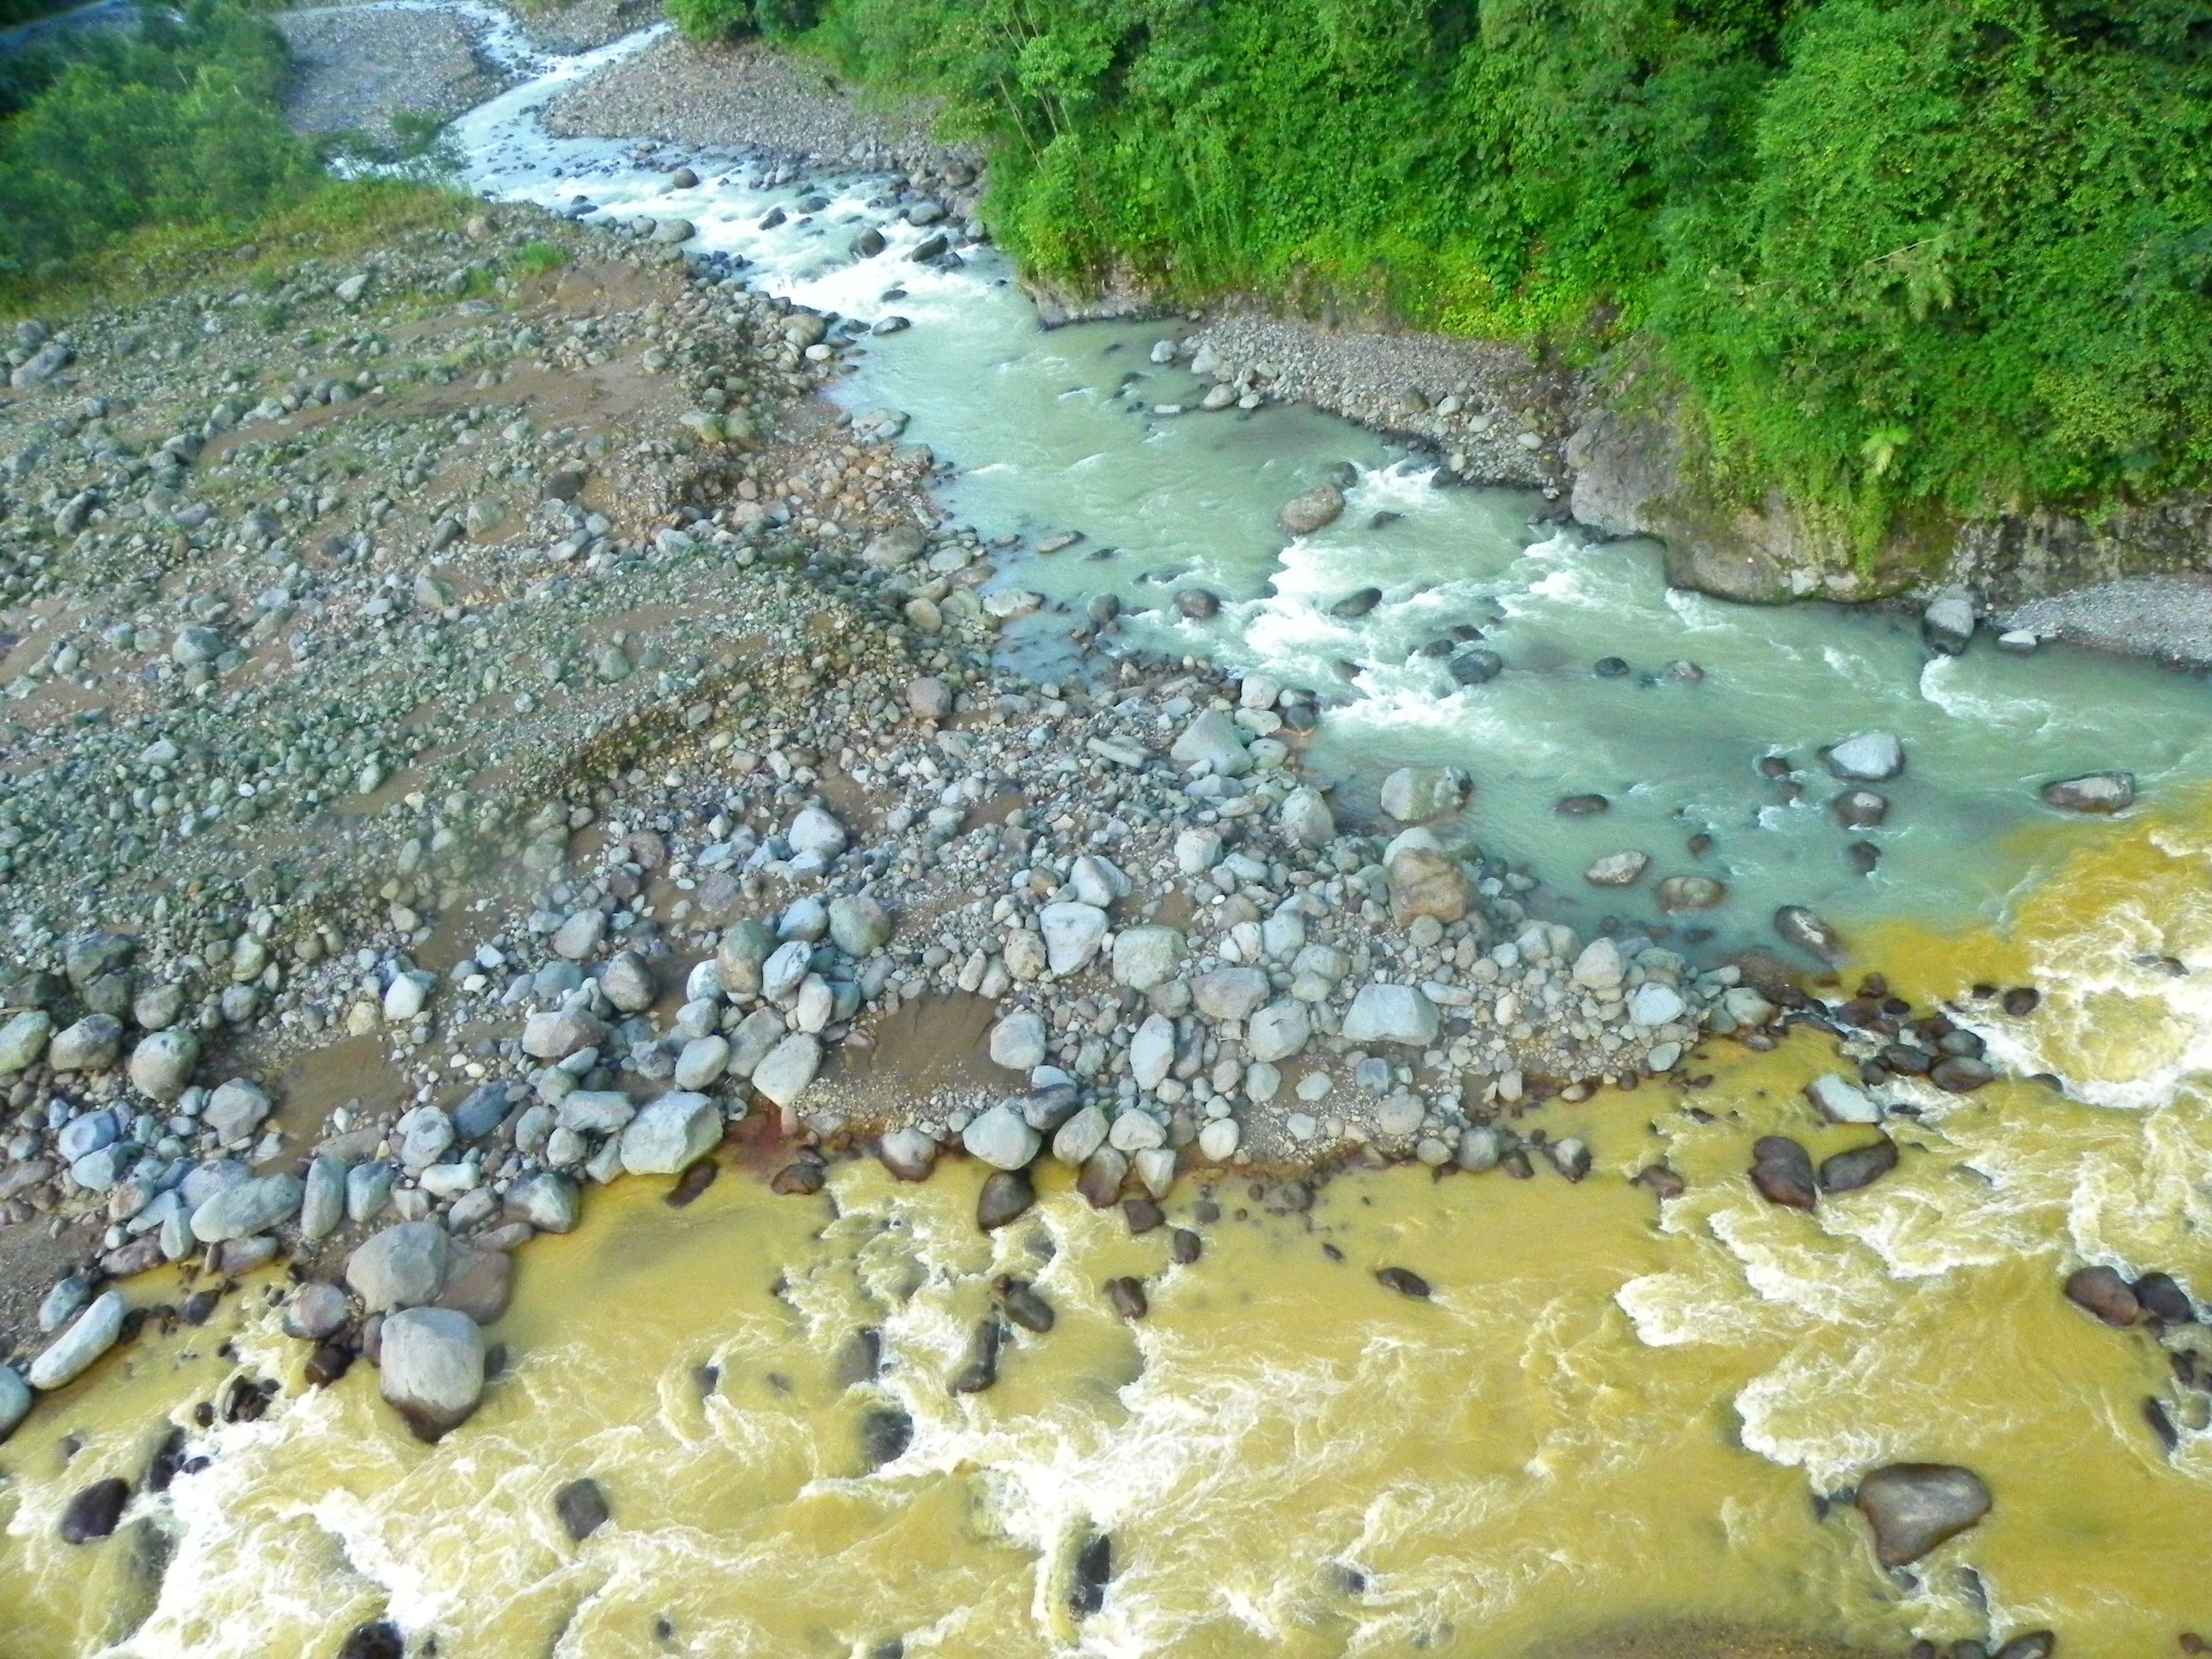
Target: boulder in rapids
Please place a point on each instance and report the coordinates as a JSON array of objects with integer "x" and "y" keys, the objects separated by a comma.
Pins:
[{"x": 1913, "y": 1507}]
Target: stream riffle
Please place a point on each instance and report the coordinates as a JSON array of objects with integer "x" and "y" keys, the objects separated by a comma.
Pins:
[{"x": 1615, "y": 1414}]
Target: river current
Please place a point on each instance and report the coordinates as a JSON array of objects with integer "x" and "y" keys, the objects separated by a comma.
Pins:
[{"x": 1610, "y": 1430}]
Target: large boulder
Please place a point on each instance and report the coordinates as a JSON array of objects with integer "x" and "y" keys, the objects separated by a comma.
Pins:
[
  {"x": 1145, "y": 957},
  {"x": 1869, "y": 757},
  {"x": 250, "y": 1208},
  {"x": 70, "y": 1354},
  {"x": 1277, "y": 1030},
  {"x": 549, "y": 1201},
  {"x": 671, "y": 1134},
  {"x": 1072, "y": 934},
  {"x": 15, "y": 1401},
  {"x": 786, "y": 1069},
  {"x": 1425, "y": 881},
  {"x": 161, "y": 1065},
  {"x": 1317, "y": 508},
  {"x": 1019, "y": 1042},
  {"x": 1230, "y": 993},
  {"x": 402, "y": 1267},
  {"x": 433, "y": 1362},
  {"x": 1391, "y": 1013},
  {"x": 1001, "y": 1138},
  {"x": 2093, "y": 791},
  {"x": 23, "y": 1039},
  {"x": 1215, "y": 740},
  {"x": 1913, "y": 1507}
]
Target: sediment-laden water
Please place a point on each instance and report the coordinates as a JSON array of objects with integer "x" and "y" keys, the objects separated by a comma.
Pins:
[{"x": 1615, "y": 1413}]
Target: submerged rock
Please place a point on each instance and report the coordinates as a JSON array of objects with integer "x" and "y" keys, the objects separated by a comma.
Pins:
[
  {"x": 582, "y": 1507},
  {"x": 1797, "y": 926}
]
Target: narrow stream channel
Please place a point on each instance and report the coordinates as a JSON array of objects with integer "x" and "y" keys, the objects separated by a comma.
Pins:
[{"x": 1613, "y": 1422}]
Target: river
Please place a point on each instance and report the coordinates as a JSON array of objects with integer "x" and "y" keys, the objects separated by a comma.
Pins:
[{"x": 1611, "y": 1428}]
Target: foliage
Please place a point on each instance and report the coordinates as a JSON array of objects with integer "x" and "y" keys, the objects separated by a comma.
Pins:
[
  {"x": 1895, "y": 253},
  {"x": 720, "y": 19},
  {"x": 173, "y": 124},
  {"x": 539, "y": 258}
]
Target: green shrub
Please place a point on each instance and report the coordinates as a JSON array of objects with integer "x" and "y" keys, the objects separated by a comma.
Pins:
[
  {"x": 173, "y": 124},
  {"x": 1895, "y": 252},
  {"x": 720, "y": 20}
]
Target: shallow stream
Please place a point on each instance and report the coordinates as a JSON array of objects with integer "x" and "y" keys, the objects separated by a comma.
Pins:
[{"x": 1611, "y": 1424}]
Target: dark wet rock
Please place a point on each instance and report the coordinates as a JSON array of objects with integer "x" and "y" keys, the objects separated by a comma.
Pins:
[
  {"x": 695, "y": 1179},
  {"x": 2164, "y": 1299},
  {"x": 94, "y": 1512},
  {"x": 1184, "y": 1246},
  {"x": 1354, "y": 605},
  {"x": 378, "y": 1639},
  {"x": 2021, "y": 1000},
  {"x": 801, "y": 1178},
  {"x": 1960, "y": 1074},
  {"x": 2103, "y": 1292},
  {"x": 861, "y": 1357},
  {"x": 1022, "y": 1303},
  {"x": 886, "y": 1433},
  {"x": 2160, "y": 1425},
  {"x": 1582, "y": 806},
  {"x": 1127, "y": 1296},
  {"x": 1913, "y": 1507},
  {"x": 2036, "y": 1644},
  {"x": 1198, "y": 604},
  {"x": 1863, "y": 857},
  {"x": 1611, "y": 668},
  {"x": 1783, "y": 1172},
  {"x": 1403, "y": 1281},
  {"x": 1476, "y": 667},
  {"x": 1661, "y": 1182},
  {"x": 1144, "y": 1215},
  {"x": 1094, "y": 1570},
  {"x": 1100, "y": 1183},
  {"x": 981, "y": 1369},
  {"x": 1007, "y": 1194},
  {"x": 582, "y": 1507},
  {"x": 2097, "y": 792},
  {"x": 168, "y": 1458},
  {"x": 1797, "y": 926},
  {"x": 1859, "y": 809},
  {"x": 245, "y": 1401},
  {"x": 329, "y": 1362},
  {"x": 1861, "y": 1166}
]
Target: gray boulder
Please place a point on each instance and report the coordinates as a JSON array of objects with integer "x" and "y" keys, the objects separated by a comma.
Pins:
[
  {"x": 858, "y": 926},
  {"x": 1227, "y": 994},
  {"x": 1307, "y": 820},
  {"x": 2093, "y": 791},
  {"x": 236, "y": 1110},
  {"x": 1001, "y": 1138},
  {"x": 161, "y": 1065},
  {"x": 1913, "y": 1507},
  {"x": 1947, "y": 624},
  {"x": 1019, "y": 1042},
  {"x": 908, "y": 1153},
  {"x": 1390, "y": 1013},
  {"x": 251, "y": 1207},
  {"x": 1303, "y": 515},
  {"x": 15, "y": 1401},
  {"x": 785, "y": 1070},
  {"x": 1072, "y": 934},
  {"x": 433, "y": 1362},
  {"x": 402, "y": 1267},
  {"x": 1279, "y": 1030},
  {"x": 671, "y": 1134},
  {"x": 1215, "y": 740},
  {"x": 323, "y": 1204},
  {"x": 71, "y": 1353},
  {"x": 93, "y": 1044},
  {"x": 315, "y": 1311},
  {"x": 1869, "y": 757},
  {"x": 22, "y": 1040},
  {"x": 1145, "y": 957},
  {"x": 550, "y": 1202}
]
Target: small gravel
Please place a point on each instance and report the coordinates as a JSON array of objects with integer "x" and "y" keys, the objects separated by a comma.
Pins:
[
  {"x": 2166, "y": 617},
  {"x": 353, "y": 70}
]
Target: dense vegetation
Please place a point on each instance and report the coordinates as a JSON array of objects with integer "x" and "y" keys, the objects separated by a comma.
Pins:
[
  {"x": 1955, "y": 252},
  {"x": 173, "y": 124}
]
